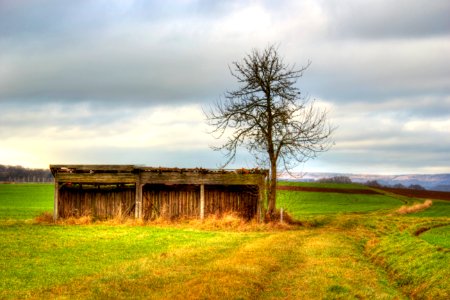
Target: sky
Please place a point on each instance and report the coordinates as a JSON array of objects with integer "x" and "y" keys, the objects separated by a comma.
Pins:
[{"x": 126, "y": 82}]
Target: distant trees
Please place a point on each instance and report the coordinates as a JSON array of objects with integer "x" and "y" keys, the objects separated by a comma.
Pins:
[
  {"x": 335, "y": 179},
  {"x": 399, "y": 186},
  {"x": 376, "y": 184},
  {"x": 373, "y": 183},
  {"x": 416, "y": 187},
  {"x": 21, "y": 174}
]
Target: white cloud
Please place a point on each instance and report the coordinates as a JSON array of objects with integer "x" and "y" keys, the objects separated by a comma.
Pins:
[
  {"x": 166, "y": 128},
  {"x": 243, "y": 22},
  {"x": 428, "y": 126}
]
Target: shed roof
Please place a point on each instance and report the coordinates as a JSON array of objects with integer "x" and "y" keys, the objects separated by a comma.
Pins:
[{"x": 138, "y": 169}]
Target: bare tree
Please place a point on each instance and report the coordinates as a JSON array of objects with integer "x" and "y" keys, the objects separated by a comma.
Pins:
[{"x": 268, "y": 116}]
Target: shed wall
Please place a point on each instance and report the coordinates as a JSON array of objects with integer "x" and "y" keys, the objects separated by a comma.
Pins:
[
  {"x": 170, "y": 201},
  {"x": 100, "y": 202},
  {"x": 183, "y": 200},
  {"x": 143, "y": 192},
  {"x": 240, "y": 199}
]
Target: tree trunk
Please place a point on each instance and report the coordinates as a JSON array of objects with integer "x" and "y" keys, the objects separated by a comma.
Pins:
[{"x": 272, "y": 197}]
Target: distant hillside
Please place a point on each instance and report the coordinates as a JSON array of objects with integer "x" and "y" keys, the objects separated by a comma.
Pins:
[
  {"x": 436, "y": 182},
  {"x": 21, "y": 174}
]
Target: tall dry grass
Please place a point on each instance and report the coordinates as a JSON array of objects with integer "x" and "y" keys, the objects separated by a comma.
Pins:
[
  {"x": 228, "y": 221},
  {"x": 414, "y": 208},
  {"x": 44, "y": 218},
  {"x": 231, "y": 221}
]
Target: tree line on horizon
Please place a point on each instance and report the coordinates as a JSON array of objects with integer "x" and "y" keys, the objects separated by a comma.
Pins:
[
  {"x": 371, "y": 183},
  {"x": 22, "y": 174}
]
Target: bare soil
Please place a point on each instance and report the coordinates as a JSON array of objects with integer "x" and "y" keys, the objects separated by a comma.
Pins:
[
  {"x": 328, "y": 190},
  {"x": 419, "y": 193},
  {"x": 424, "y": 194}
]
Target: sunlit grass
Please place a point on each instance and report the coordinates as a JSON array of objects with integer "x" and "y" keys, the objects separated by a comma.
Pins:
[
  {"x": 37, "y": 257},
  {"x": 349, "y": 246},
  {"x": 25, "y": 201},
  {"x": 439, "y": 236},
  {"x": 440, "y": 208},
  {"x": 418, "y": 268},
  {"x": 307, "y": 204},
  {"x": 141, "y": 262}
]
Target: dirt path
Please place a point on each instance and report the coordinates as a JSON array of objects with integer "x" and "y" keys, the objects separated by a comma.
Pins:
[{"x": 299, "y": 264}]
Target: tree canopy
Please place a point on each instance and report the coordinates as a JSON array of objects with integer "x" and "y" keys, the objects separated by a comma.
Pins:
[{"x": 269, "y": 117}]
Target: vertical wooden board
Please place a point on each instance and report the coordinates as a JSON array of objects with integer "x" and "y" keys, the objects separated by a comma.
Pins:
[
  {"x": 109, "y": 205},
  {"x": 202, "y": 201},
  {"x": 188, "y": 210},
  {"x": 191, "y": 204},
  {"x": 183, "y": 203},
  {"x": 55, "y": 202},
  {"x": 138, "y": 201}
]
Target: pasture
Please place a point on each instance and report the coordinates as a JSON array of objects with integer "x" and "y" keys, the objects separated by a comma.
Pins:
[{"x": 348, "y": 246}]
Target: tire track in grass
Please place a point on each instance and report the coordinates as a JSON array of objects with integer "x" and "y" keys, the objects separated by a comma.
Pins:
[
  {"x": 156, "y": 276},
  {"x": 294, "y": 265},
  {"x": 300, "y": 264},
  {"x": 328, "y": 265}
]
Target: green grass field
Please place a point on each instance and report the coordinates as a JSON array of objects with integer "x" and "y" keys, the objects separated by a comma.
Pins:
[
  {"x": 439, "y": 236},
  {"x": 440, "y": 208},
  {"x": 363, "y": 250},
  {"x": 311, "y": 204},
  {"x": 25, "y": 201}
]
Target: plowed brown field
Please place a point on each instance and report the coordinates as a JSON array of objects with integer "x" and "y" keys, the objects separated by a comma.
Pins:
[
  {"x": 419, "y": 193},
  {"x": 327, "y": 190},
  {"x": 404, "y": 192}
]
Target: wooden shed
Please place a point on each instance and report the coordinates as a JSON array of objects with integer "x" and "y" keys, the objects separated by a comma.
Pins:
[{"x": 108, "y": 191}]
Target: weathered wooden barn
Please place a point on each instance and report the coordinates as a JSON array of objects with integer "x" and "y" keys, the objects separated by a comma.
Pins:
[{"x": 108, "y": 191}]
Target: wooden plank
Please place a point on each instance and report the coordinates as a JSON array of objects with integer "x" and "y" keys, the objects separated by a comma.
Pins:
[
  {"x": 126, "y": 174},
  {"x": 122, "y": 168},
  {"x": 202, "y": 201},
  {"x": 138, "y": 205},
  {"x": 55, "y": 202},
  {"x": 96, "y": 178},
  {"x": 259, "y": 216},
  {"x": 195, "y": 178}
]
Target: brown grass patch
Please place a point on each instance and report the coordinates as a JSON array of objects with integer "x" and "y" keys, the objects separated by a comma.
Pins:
[
  {"x": 228, "y": 221},
  {"x": 44, "y": 218},
  {"x": 287, "y": 219},
  {"x": 83, "y": 220},
  {"x": 414, "y": 208}
]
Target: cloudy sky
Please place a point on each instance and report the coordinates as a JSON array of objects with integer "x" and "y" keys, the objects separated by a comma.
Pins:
[{"x": 116, "y": 81}]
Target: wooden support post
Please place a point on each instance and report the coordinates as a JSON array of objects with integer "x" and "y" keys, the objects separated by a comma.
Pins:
[
  {"x": 261, "y": 193},
  {"x": 202, "y": 201},
  {"x": 55, "y": 201},
  {"x": 258, "y": 205},
  {"x": 281, "y": 215},
  {"x": 138, "y": 206}
]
